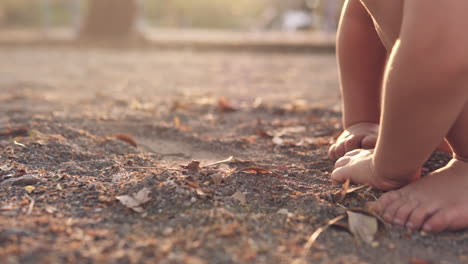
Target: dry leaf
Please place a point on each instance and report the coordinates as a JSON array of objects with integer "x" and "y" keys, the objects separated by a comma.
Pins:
[
  {"x": 217, "y": 178},
  {"x": 193, "y": 166},
  {"x": 6, "y": 168},
  {"x": 289, "y": 130},
  {"x": 193, "y": 260},
  {"x": 277, "y": 140},
  {"x": 225, "y": 106},
  {"x": 419, "y": 261},
  {"x": 50, "y": 209},
  {"x": 263, "y": 133},
  {"x": 29, "y": 188},
  {"x": 257, "y": 170},
  {"x": 125, "y": 138},
  {"x": 15, "y": 132},
  {"x": 362, "y": 226},
  {"x": 239, "y": 196},
  {"x": 134, "y": 201},
  {"x": 193, "y": 184},
  {"x": 176, "y": 121},
  {"x": 143, "y": 195},
  {"x": 341, "y": 194},
  {"x": 59, "y": 187}
]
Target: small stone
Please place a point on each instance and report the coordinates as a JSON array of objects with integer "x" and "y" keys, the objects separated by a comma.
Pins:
[{"x": 167, "y": 231}]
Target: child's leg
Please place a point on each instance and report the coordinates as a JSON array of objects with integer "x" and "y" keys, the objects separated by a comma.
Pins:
[
  {"x": 438, "y": 201},
  {"x": 361, "y": 59}
]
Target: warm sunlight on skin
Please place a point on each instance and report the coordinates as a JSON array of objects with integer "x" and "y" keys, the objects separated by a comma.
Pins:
[{"x": 424, "y": 100}]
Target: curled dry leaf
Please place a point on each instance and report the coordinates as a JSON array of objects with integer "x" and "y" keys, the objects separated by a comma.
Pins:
[
  {"x": 29, "y": 188},
  {"x": 341, "y": 194},
  {"x": 134, "y": 201},
  {"x": 257, "y": 170},
  {"x": 419, "y": 261},
  {"x": 277, "y": 140},
  {"x": 225, "y": 106},
  {"x": 15, "y": 132},
  {"x": 6, "y": 168},
  {"x": 126, "y": 138},
  {"x": 263, "y": 133},
  {"x": 362, "y": 226},
  {"x": 217, "y": 178},
  {"x": 193, "y": 166}
]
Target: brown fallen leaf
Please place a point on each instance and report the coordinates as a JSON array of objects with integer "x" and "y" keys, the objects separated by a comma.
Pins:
[
  {"x": 192, "y": 184},
  {"x": 14, "y": 132},
  {"x": 362, "y": 226},
  {"x": 29, "y": 188},
  {"x": 263, "y": 133},
  {"x": 217, "y": 178},
  {"x": 341, "y": 194},
  {"x": 419, "y": 261},
  {"x": 258, "y": 170},
  {"x": 135, "y": 200},
  {"x": 176, "y": 121},
  {"x": 194, "y": 165},
  {"x": 126, "y": 138},
  {"x": 225, "y": 106}
]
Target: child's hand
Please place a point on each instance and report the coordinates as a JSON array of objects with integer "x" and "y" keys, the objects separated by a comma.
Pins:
[
  {"x": 357, "y": 136},
  {"x": 358, "y": 167}
]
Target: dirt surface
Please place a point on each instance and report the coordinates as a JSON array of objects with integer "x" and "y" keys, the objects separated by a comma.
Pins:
[{"x": 70, "y": 120}]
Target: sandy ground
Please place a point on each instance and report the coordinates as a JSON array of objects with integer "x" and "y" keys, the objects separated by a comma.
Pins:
[{"x": 69, "y": 119}]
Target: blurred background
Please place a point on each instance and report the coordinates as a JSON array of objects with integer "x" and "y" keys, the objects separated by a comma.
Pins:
[{"x": 118, "y": 17}]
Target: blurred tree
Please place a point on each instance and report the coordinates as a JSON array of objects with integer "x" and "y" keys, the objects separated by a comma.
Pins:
[{"x": 115, "y": 19}]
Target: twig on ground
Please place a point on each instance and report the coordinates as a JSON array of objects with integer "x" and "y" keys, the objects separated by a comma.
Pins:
[
  {"x": 31, "y": 205},
  {"x": 218, "y": 162},
  {"x": 153, "y": 168},
  {"x": 314, "y": 237}
]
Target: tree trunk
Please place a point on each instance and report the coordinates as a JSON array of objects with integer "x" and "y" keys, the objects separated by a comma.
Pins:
[{"x": 110, "y": 19}]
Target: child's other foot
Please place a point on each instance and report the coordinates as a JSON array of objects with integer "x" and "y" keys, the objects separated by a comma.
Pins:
[
  {"x": 434, "y": 203},
  {"x": 358, "y": 136}
]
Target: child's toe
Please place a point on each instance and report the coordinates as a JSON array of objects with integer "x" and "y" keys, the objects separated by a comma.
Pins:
[
  {"x": 389, "y": 212},
  {"x": 418, "y": 216},
  {"x": 402, "y": 214}
]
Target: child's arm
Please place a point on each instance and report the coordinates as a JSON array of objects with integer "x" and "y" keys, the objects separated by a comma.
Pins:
[{"x": 361, "y": 59}]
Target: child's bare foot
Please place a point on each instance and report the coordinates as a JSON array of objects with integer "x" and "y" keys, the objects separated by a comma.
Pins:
[
  {"x": 434, "y": 203},
  {"x": 358, "y": 167},
  {"x": 358, "y": 136}
]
